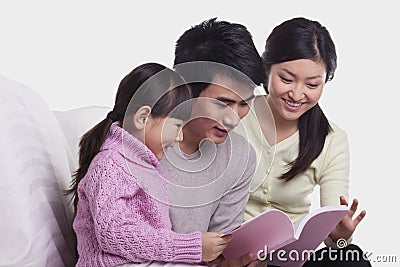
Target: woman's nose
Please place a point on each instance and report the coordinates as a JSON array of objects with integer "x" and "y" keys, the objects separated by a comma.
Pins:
[{"x": 297, "y": 93}]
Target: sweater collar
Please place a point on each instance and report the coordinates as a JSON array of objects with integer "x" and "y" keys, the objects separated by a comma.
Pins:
[{"x": 128, "y": 146}]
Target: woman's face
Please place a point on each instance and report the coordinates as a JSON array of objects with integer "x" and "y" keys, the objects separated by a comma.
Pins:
[{"x": 295, "y": 87}]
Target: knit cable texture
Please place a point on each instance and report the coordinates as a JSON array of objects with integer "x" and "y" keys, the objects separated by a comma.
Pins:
[{"x": 117, "y": 220}]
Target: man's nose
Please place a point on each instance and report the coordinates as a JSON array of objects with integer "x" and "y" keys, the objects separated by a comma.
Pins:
[{"x": 231, "y": 118}]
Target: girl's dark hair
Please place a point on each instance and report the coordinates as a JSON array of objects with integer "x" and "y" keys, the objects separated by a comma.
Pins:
[
  {"x": 301, "y": 38},
  {"x": 166, "y": 93}
]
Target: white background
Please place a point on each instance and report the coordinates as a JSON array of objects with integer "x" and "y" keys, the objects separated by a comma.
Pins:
[{"x": 74, "y": 53}]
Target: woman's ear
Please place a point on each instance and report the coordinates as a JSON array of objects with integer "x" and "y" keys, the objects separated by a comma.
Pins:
[{"x": 141, "y": 116}]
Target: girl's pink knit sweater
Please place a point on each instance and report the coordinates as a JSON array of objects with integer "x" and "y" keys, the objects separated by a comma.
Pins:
[{"x": 119, "y": 218}]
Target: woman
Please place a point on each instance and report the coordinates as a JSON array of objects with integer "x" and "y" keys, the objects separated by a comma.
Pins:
[{"x": 306, "y": 149}]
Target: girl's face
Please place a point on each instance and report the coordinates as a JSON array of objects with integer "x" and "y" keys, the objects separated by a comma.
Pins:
[
  {"x": 161, "y": 133},
  {"x": 295, "y": 87}
]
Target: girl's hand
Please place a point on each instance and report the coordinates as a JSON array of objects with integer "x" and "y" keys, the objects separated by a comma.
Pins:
[
  {"x": 213, "y": 245},
  {"x": 347, "y": 225}
]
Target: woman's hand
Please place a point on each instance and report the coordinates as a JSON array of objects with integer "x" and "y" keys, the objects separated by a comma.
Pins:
[
  {"x": 213, "y": 245},
  {"x": 347, "y": 225}
]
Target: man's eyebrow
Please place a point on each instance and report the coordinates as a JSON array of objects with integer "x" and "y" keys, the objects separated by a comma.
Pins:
[
  {"x": 225, "y": 99},
  {"x": 230, "y": 100}
]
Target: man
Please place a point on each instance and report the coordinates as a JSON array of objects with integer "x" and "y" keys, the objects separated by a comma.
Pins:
[{"x": 211, "y": 170}]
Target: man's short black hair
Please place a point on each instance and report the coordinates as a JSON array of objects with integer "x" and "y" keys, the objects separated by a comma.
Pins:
[{"x": 229, "y": 44}]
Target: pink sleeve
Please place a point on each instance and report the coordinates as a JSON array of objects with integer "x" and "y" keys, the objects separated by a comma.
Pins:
[{"x": 125, "y": 226}]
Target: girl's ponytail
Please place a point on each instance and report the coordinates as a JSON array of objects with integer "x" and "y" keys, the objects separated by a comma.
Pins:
[{"x": 89, "y": 146}]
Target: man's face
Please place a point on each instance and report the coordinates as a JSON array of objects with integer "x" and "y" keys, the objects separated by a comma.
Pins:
[{"x": 218, "y": 110}]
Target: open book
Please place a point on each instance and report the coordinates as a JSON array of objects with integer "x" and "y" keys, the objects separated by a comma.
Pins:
[{"x": 273, "y": 237}]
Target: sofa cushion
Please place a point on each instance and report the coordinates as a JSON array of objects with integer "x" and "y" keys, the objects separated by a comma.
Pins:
[
  {"x": 76, "y": 122},
  {"x": 36, "y": 219}
]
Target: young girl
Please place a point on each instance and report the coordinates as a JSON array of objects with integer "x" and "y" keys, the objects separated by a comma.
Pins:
[{"x": 120, "y": 194}]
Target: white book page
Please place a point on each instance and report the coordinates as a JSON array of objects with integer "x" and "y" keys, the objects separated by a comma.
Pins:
[{"x": 299, "y": 225}]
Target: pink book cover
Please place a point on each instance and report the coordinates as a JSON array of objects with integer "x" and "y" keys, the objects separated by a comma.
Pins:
[{"x": 274, "y": 233}]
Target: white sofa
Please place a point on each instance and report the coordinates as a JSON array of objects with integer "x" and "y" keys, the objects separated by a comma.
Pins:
[{"x": 38, "y": 155}]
